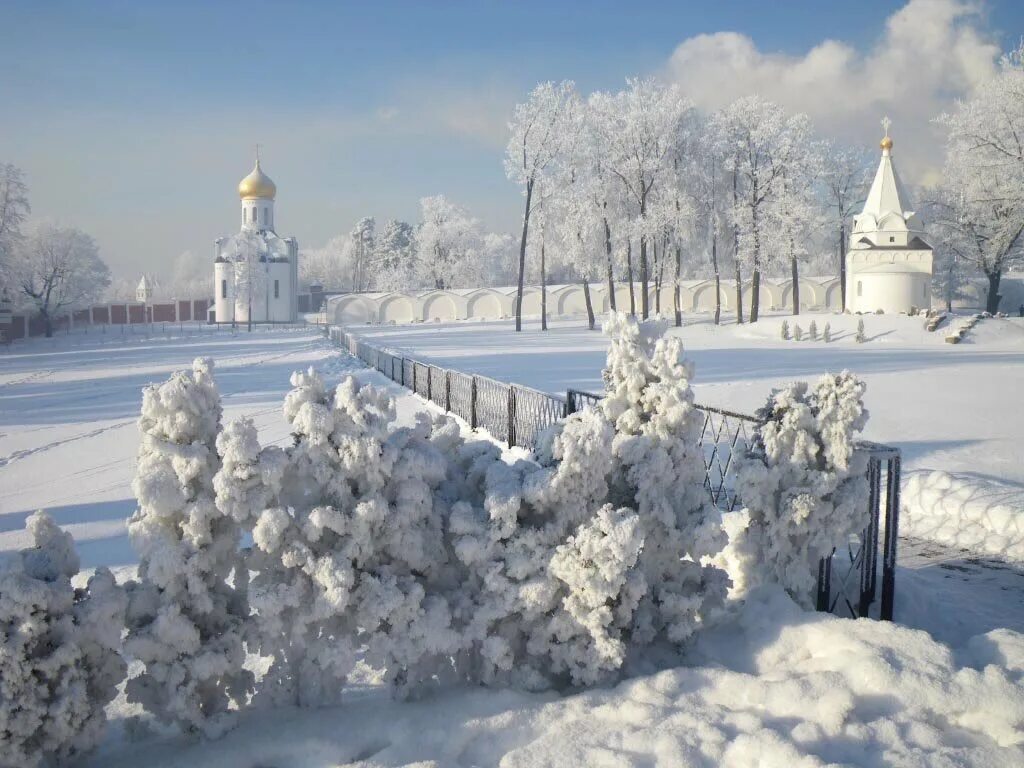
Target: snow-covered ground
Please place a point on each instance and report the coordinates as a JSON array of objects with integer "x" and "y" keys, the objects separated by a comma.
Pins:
[{"x": 774, "y": 686}]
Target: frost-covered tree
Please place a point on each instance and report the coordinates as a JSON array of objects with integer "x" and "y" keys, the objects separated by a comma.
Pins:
[
  {"x": 784, "y": 330},
  {"x": 844, "y": 179},
  {"x": 798, "y": 332},
  {"x": 329, "y": 266},
  {"x": 761, "y": 145},
  {"x": 58, "y": 268},
  {"x": 448, "y": 245},
  {"x": 364, "y": 248},
  {"x": 534, "y": 144},
  {"x": 394, "y": 253},
  {"x": 59, "y": 660},
  {"x": 14, "y": 210},
  {"x": 187, "y": 612},
  {"x": 826, "y": 334},
  {"x": 637, "y": 129},
  {"x": 981, "y": 208},
  {"x": 859, "y": 337},
  {"x": 812, "y": 331},
  {"x": 794, "y": 212},
  {"x": 803, "y": 483}
]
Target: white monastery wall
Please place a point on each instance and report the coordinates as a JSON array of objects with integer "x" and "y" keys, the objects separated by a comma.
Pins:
[{"x": 566, "y": 301}]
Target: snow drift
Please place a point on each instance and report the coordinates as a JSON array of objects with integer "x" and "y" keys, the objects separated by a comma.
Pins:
[
  {"x": 984, "y": 517},
  {"x": 772, "y": 686}
]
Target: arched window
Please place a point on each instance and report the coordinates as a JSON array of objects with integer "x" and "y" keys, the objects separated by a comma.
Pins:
[
  {"x": 277, "y": 289},
  {"x": 860, "y": 288},
  {"x": 223, "y": 289},
  {"x": 264, "y": 215}
]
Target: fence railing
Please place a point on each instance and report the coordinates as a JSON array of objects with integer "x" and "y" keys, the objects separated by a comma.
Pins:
[{"x": 517, "y": 415}]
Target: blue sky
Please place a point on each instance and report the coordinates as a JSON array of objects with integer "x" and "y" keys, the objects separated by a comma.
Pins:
[{"x": 134, "y": 121}]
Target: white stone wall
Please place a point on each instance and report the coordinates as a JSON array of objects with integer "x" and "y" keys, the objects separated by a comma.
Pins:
[{"x": 816, "y": 293}]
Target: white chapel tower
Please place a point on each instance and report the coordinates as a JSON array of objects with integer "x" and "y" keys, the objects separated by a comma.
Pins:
[
  {"x": 889, "y": 264},
  {"x": 256, "y": 271}
]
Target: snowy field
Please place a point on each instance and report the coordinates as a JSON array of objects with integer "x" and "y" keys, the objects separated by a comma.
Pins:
[
  {"x": 68, "y": 408},
  {"x": 773, "y": 686}
]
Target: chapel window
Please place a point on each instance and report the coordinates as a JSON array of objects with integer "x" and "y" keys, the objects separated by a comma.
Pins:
[
  {"x": 277, "y": 287},
  {"x": 860, "y": 288},
  {"x": 223, "y": 289}
]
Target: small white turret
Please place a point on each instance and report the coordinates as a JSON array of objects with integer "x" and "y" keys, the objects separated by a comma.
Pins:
[{"x": 889, "y": 264}]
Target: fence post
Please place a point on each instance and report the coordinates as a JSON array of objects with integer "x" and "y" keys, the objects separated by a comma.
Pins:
[
  {"x": 892, "y": 523},
  {"x": 430, "y": 386},
  {"x": 403, "y": 371},
  {"x": 448, "y": 391},
  {"x": 472, "y": 403},
  {"x": 824, "y": 583},
  {"x": 413, "y": 375},
  {"x": 511, "y": 415}
]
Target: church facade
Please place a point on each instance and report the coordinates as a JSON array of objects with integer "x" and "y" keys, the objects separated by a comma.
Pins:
[
  {"x": 889, "y": 263},
  {"x": 256, "y": 272}
]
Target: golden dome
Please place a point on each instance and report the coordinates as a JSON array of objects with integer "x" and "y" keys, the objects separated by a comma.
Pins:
[
  {"x": 885, "y": 143},
  {"x": 257, "y": 184}
]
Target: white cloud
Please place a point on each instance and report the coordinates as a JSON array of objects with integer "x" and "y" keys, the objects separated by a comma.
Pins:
[{"x": 929, "y": 53}]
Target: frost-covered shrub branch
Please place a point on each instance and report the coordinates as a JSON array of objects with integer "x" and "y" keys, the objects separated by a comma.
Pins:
[
  {"x": 803, "y": 484},
  {"x": 59, "y": 661}
]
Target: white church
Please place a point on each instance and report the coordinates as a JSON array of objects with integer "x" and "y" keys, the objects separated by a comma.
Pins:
[
  {"x": 256, "y": 272},
  {"x": 889, "y": 263}
]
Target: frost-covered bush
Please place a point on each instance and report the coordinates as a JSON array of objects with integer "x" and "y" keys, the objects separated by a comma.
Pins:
[
  {"x": 348, "y": 543},
  {"x": 658, "y": 468},
  {"x": 784, "y": 330},
  {"x": 812, "y": 331},
  {"x": 59, "y": 660},
  {"x": 187, "y": 611},
  {"x": 597, "y": 550},
  {"x": 802, "y": 483},
  {"x": 859, "y": 337},
  {"x": 826, "y": 334},
  {"x": 798, "y": 332}
]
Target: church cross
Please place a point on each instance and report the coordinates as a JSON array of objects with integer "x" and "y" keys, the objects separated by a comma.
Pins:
[
  {"x": 258, "y": 152},
  {"x": 886, "y": 122}
]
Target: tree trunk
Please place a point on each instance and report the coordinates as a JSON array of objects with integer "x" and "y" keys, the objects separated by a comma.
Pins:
[
  {"x": 47, "y": 323},
  {"x": 657, "y": 287},
  {"x": 739, "y": 295},
  {"x": 736, "y": 256},
  {"x": 543, "y": 283},
  {"x": 718, "y": 277},
  {"x": 755, "y": 287},
  {"x": 677, "y": 299},
  {"x": 611, "y": 270},
  {"x": 842, "y": 265},
  {"x": 590, "y": 304},
  {"x": 522, "y": 256},
  {"x": 794, "y": 271},
  {"x": 992, "y": 302},
  {"x": 629, "y": 277},
  {"x": 644, "y": 279}
]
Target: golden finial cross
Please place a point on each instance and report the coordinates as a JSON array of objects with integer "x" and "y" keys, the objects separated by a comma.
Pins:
[
  {"x": 258, "y": 152},
  {"x": 886, "y": 122}
]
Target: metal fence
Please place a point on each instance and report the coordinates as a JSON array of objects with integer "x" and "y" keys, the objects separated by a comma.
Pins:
[{"x": 516, "y": 415}]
